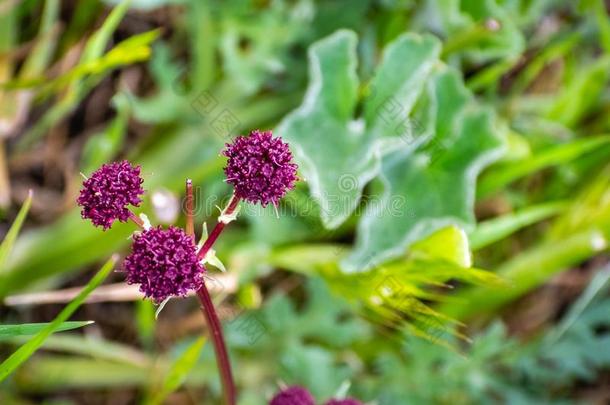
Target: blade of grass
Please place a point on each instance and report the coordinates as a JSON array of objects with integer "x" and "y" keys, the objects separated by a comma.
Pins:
[
  {"x": 7, "y": 106},
  {"x": 38, "y": 59},
  {"x": 553, "y": 51},
  {"x": 77, "y": 89},
  {"x": 525, "y": 272},
  {"x": 8, "y": 242},
  {"x": 25, "y": 351},
  {"x": 601, "y": 17},
  {"x": 134, "y": 49},
  {"x": 178, "y": 372},
  {"x": 49, "y": 373},
  {"x": 496, "y": 229},
  {"x": 29, "y": 329},
  {"x": 598, "y": 284},
  {"x": 93, "y": 347},
  {"x": 505, "y": 174}
]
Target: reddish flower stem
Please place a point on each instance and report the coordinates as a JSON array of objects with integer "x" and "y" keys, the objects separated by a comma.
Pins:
[
  {"x": 136, "y": 220},
  {"x": 220, "y": 349},
  {"x": 207, "y": 306},
  {"x": 190, "y": 222},
  {"x": 209, "y": 242}
]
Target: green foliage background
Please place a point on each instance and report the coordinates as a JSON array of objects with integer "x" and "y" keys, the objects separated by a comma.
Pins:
[{"x": 454, "y": 157}]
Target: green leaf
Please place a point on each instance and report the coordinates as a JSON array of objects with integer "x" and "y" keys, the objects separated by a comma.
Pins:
[
  {"x": 587, "y": 86},
  {"x": 394, "y": 294},
  {"x": 526, "y": 271},
  {"x": 90, "y": 346},
  {"x": 40, "y": 56},
  {"x": 28, "y": 329},
  {"x": 454, "y": 242},
  {"x": 77, "y": 89},
  {"x": 178, "y": 372},
  {"x": 25, "y": 351},
  {"x": 480, "y": 30},
  {"x": 337, "y": 152},
  {"x": 435, "y": 186},
  {"x": 7, "y": 244},
  {"x": 132, "y": 50},
  {"x": 596, "y": 287},
  {"x": 496, "y": 229},
  {"x": 506, "y": 173}
]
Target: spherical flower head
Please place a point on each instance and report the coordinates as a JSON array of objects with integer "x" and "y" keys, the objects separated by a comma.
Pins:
[
  {"x": 107, "y": 193},
  {"x": 293, "y": 396},
  {"x": 164, "y": 262},
  {"x": 346, "y": 401},
  {"x": 260, "y": 167}
]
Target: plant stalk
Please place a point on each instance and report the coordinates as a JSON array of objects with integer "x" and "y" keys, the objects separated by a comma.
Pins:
[
  {"x": 136, "y": 220},
  {"x": 207, "y": 306},
  {"x": 220, "y": 225}
]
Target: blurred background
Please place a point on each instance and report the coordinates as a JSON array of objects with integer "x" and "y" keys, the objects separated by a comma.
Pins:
[{"x": 447, "y": 243}]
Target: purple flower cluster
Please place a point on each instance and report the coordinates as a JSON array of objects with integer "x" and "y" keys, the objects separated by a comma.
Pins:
[
  {"x": 296, "y": 395},
  {"x": 107, "y": 193},
  {"x": 260, "y": 167},
  {"x": 164, "y": 262},
  {"x": 293, "y": 396}
]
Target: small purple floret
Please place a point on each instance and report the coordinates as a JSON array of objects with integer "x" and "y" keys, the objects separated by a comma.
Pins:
[
  {"x": 293, "y": 396},
  {"x": 107, "y": 193},
  {"x": 260, "y": 167},
  {"x": 164, "y": 262},
  {"x": 346, "y": 401}
]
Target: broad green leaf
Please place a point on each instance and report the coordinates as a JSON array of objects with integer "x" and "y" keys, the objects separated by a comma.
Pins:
[
  {"x": 25, "y": 351},
  {"x": 28, "y": 329},
  {"x": 178, "y": 372},
  {"x": 11, "y": 235},
  {"x": 338, "y": 153},
  {"x": 324, "y": 123},
  {"x": 434, "y": 187}
]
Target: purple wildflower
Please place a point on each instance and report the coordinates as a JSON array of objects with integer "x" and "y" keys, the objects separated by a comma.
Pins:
[
  {"x": 346, "y": 401},
  {"x": 107, "y": 193},
  {"x": 164, "y": 262},
  {"x": 293, "y": 396},
  {"x": 260, "y": 167}
]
